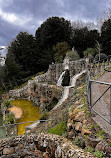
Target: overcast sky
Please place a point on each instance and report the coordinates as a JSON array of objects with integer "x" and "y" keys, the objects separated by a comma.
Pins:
[{"x": 27, "y": 15}]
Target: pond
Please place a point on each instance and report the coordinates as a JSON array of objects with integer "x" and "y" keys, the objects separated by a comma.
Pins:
[
  {"x": 2, "y": 130},
  {"x": 30, "y": 113}
]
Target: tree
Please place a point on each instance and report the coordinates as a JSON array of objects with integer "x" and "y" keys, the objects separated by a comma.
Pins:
[
  {"x": 23, "y": 50},
  {"x": 106, "y": 37},
  {"x": 89, "y": 51},
  {"x": 60, "y": 50},
  {"x": 52, "y": 31},
  {"x": 92, "y": 37},
  {"x": 79, "y": 41},
  {"x": 83, "y": 39},
  {"x": 12, "y": 70},
  {"x": 3, "y": 78}
]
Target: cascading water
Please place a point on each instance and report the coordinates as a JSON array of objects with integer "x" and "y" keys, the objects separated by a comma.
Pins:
[
  {"x": 66, "y": 89},
  {"x": 59, "y": 82}
]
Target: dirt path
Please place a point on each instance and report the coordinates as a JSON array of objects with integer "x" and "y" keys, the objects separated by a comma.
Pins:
[{"x": 103, "y": 105}]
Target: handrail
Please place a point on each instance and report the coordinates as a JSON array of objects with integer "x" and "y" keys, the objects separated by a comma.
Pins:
[{"x": 25, "y": 122}]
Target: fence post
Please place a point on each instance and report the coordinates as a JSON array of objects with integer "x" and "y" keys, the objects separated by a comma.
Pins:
[
  {"x": 90, "y": 98},
  {"x": 110, "y": 104}
]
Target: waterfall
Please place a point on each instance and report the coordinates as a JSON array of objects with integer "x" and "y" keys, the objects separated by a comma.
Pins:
[
  {"x": 59, "y": 82},
  {"x": 67, "y": 88}
]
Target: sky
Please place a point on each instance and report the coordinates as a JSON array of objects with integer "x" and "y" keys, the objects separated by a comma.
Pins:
[{"x": 28, "y": 15}]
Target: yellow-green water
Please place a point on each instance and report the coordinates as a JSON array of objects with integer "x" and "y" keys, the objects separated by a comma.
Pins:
[{"x": 30, "y": 113}]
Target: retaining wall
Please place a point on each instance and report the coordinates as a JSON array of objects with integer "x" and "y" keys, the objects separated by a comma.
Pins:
[{"x": 42, "y": 146}]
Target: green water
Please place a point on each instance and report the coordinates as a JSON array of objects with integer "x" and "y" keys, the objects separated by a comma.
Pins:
[
  {"x": 2, "y": 130},
  {"x": 30, "y": 113}
]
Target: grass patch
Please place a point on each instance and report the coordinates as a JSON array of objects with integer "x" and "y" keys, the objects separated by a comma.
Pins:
[
  {"x": 44, "y": 116},
  {"x": 99, "y": 154},
  {"x": 79, "y": 142},
  {"x": 59, "y": 129},
  {"x": 9, "y": 119},
  {"x": 89, "y": 149},
  {"x": 6, "y": 103}
]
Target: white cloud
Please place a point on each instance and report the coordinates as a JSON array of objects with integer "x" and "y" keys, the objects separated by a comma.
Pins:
[
  {"x": 10, "y": 17},
  {"x": 14, "y": 18}
]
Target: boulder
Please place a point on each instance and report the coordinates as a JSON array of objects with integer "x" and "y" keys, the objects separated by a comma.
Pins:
[
  {"x": 70, "y": 134},
  {"x": 77, "y": 103},
  {"x": 7, "y": 151},
  {"x": 80, "y": 106},
  {"x": 84, "y": 121},
  {"x": 78, "y": 126},
  {"x": 103, "y": 146},
  {"x": 69, "y": 126},
  {"x": 46, "y": 155},
  {"x": 75, "y": 112},
  {"x": 79, "y": 117},
  {"x": 69, "y": 114},
  {"x": 58, "y": 152},
  {"x": 92, "y": 141},
  {"x": 1, "y": 148},
  {"x": 85, "y": 131}
]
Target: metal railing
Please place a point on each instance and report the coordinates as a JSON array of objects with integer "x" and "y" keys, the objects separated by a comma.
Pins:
[
  {"x": 14, "y": 125},
  {"x": 96, "y": 98}
]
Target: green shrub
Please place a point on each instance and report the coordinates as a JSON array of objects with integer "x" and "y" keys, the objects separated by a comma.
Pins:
[
  {"x": 44, "y": 116},
  {"x": 6, "y": 103},
  {"x": 89, "y": 149},
  {"x": 79, "y": 142},
  {"x": 66, "y": 78},
  {"x": 40, "y": 73},
  {"x": 73, "y": 55},
  {"x": 89, "y": 51},
  {"x": 99, "y": 154},
  {"x": 100, "y": 134},
  {"x": 60, "y": 50},
  {"x": 58, "y": 58},
  {"x": 59, "y": 129},
  {"x": 9, "y": 119}
]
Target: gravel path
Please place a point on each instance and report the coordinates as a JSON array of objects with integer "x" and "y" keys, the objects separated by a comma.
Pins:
[{"x": 103, "y": 105}]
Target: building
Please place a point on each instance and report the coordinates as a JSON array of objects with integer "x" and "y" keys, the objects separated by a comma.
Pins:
[{"x": 2, "y": 59}]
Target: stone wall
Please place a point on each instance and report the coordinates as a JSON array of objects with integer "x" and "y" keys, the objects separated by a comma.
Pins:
[
  {"x": 76, "y": 67},
  {"x": 55, "y": 70},
  {"x": 42, "y": 94},
  {"x": 38, "y": 89},
  {"x": 42, "y": 146}
]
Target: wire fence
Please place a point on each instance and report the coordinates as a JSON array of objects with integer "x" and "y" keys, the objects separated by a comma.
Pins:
[
  {"x": 9, "y": 128},
  {"x": 99, "y": 92}
]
